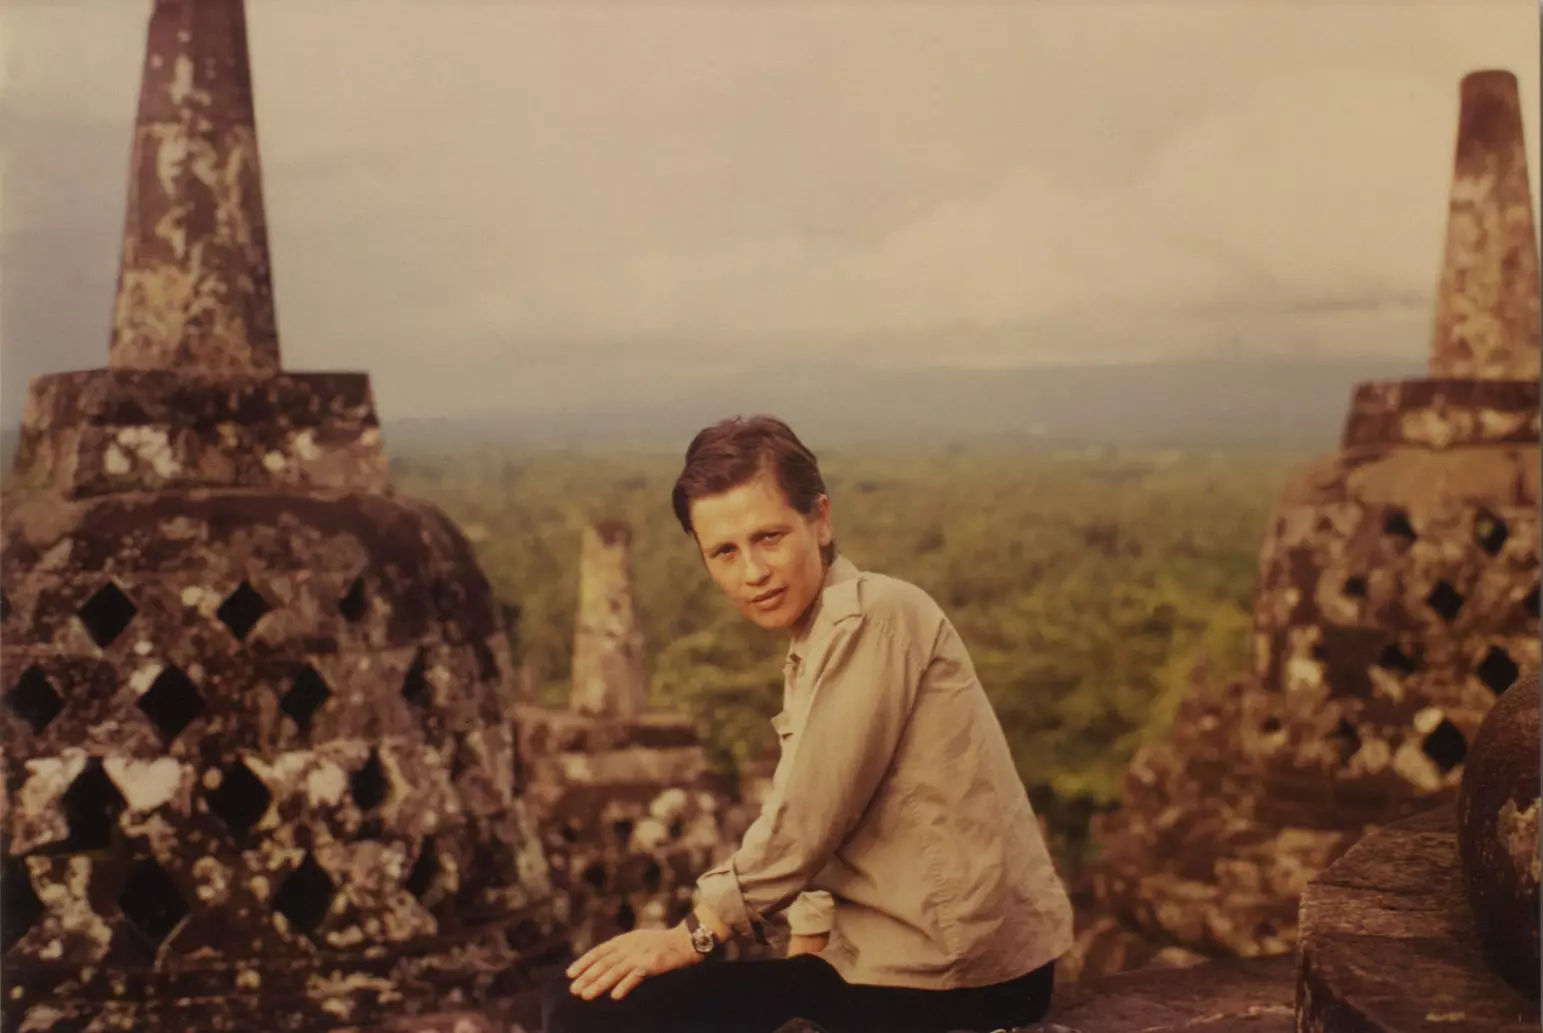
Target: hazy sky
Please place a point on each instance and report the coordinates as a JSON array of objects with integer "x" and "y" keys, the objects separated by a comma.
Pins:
[{"x": 490, "y": 203}]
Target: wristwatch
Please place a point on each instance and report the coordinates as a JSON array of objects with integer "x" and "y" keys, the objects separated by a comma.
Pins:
[{"x": 703, "y": 941}]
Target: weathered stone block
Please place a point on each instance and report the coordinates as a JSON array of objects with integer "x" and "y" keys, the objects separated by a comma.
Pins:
[
  {"x": 1497, "y": 835},
  {"x": 1388, "y": 944}
]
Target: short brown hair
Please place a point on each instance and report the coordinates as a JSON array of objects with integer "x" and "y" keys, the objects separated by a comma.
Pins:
[{"x": 733, "y": 452}]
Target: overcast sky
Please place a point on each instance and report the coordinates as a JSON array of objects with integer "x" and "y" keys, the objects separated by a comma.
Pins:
[{"x": 491, "y": 204}]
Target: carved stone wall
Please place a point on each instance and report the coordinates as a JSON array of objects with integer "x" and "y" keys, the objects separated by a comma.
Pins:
[{"x": 629, "y": 817}]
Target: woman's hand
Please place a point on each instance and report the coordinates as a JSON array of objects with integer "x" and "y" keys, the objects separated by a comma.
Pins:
[
  {"x": 805, "y": 944},
  {"x": 621, "y": 963}
]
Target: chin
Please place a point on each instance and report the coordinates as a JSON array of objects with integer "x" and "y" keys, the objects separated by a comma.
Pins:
[{"x": 770, "y": 621}]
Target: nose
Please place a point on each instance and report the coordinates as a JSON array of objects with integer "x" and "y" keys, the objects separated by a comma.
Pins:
[{"x": 755, "y": 570}]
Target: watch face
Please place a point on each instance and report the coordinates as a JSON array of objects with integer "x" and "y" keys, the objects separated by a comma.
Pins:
[{"x": 702, "y": 940}]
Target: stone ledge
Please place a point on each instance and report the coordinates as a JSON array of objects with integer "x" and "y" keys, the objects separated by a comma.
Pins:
[
  {"x": 97, "y": 432},
  {"x": 1230, "y": 996},
  {"x": 1443, "y": 413},
  {"x": 1388, "y": 944}
]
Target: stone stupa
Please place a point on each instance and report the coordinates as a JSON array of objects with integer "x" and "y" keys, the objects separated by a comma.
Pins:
[
  {"x": 1398, "y": 597},
  {"x": 259, "y": 735}
]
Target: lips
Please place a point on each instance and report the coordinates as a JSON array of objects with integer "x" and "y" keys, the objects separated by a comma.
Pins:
[{"x": 766, "y": 600}]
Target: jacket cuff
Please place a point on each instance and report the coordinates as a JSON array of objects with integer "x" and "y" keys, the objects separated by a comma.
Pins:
[
  {"x": 810, "y": 914},
  {"x": 718, "y": 888}
]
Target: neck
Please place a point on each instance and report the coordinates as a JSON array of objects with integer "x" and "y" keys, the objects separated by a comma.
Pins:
[{"x": 800, "y": 627}]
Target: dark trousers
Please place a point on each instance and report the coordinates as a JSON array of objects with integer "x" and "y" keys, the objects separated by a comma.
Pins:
[{"x": 761, "y": 996}]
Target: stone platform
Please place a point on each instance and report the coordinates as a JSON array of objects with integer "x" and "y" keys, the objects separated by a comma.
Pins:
[{"x": 1388, "y": 943}]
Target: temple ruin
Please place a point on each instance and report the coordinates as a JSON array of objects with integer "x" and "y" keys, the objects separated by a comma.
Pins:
[
  {"x": 259, "y": 739},
  {"x": 629, "y": 812},
  {"x": 267, "y": 767},
  {"x": 1398, "y": 596}
]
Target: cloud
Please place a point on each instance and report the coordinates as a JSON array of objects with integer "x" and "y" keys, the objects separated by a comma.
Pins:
[{"x": 485, "y": 202}]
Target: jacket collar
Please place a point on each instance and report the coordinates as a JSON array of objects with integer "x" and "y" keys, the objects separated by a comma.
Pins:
[{"x": 840, "y": 571}]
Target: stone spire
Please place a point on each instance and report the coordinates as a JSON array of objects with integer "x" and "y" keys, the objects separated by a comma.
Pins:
[
  {"x": 1487, "y": 304},
  {"x": 193, "y": 287},
  {"x": 608, "y": 677}
]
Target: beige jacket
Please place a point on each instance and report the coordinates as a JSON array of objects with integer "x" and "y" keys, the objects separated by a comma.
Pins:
[{"x": 896, "y": 819}]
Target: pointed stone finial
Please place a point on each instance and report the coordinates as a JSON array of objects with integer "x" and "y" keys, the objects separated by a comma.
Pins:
[
  {"x": 608, "y": 676},
  {"x": 194, "y": 290},
  {"x": 1487, "y": 303}
]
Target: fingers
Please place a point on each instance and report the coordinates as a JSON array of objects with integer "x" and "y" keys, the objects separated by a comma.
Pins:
[
  {"x": 591, "y": 956},
  {"x": 603, "y": 977},
  {"x": 629, "y": 983}
]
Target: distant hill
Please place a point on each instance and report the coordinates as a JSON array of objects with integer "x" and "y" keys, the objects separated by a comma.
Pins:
[
  {"x": 1208, "y": 402},
  {"x": 1211, "y": 402}
]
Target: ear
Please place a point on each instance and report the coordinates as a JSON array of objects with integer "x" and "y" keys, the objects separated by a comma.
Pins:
[{"x": 824, "y": 527}]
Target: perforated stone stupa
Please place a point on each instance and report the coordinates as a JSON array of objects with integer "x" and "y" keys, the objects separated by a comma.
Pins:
[
  {"x": 259, "y": 745},
  {"x": 1398, "y": 597}
]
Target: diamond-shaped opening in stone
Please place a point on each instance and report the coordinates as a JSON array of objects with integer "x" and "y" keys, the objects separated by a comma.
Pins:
[
  {"x": 526, "y": 936},
  {"x": 596, "y": 877},
  {"x": 1530, "y": 604},
  {"x": 487, "y": 663},
  {"x": 241, "y": 611},
  {"x": 415, "y": 686},
  {"x": 20, "y": 908},
  {"x": 676, "y": 830},
  {"x": 34, "y": 700},
  {"x": 1349, "y": 739},
  {"x": 1497, "y": 670},
  {"x": 1490, "y": 532},
  {"x": 626, "y": 918},
  {"x": 306, "y": 896},
  {"x": 305, "y": 697},
  {"x": 1396, "y": 525},
  {"x": 1392, "y": 658},
  {"x": 91, "y": 806},
  {"x": 171, "y": 703},
  {"x": 572, "y": 832},
  {"x": 1445, "y": 600},
  {"x": 354, "y": 602},
  {"x": 623, "y": 831},
  {"x": 241, "y": 799},
  {"x": 1446, "y": 746},
  {"x": 1355, "y": 587},
  {"x": 369, "y": 784},
  {"x": 151, "y": 901},
  {"x": 106, "y": 614},
  {"x": 424, "y": 871},
  {"x": 1270, "y": 725},
  {"x": 677, "y": 911},
  {"x": 653, "y": 877}
]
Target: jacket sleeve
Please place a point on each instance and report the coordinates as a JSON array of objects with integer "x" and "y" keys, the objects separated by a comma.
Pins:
[{"x": 864, "y": 689}]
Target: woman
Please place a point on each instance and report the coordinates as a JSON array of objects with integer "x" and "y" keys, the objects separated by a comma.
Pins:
[{"x": 897, "y": 834}]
